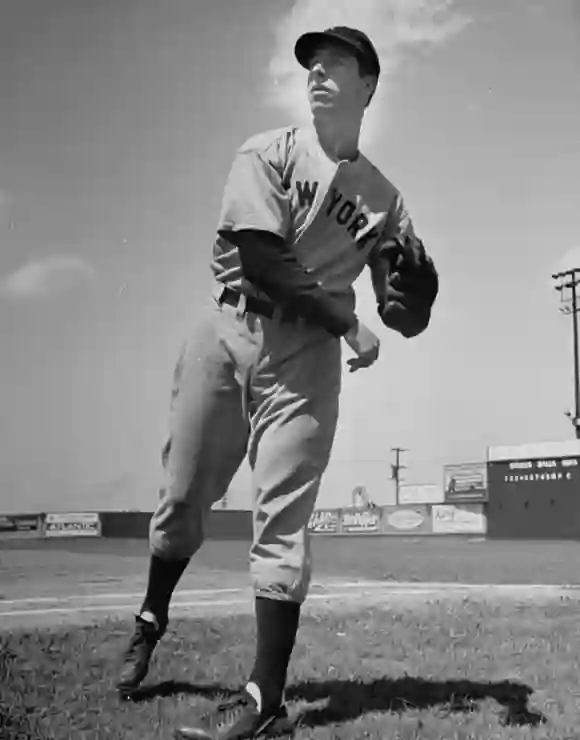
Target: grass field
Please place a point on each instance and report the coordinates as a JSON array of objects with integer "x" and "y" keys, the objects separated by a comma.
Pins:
[
  {"x": 88, "y": 565},
  {"x": 419, "y": 662}
]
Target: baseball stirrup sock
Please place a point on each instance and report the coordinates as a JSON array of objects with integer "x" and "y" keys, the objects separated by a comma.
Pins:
[
  {"x": 277, "y": 623},
  {"x": 164, "y": 576}
]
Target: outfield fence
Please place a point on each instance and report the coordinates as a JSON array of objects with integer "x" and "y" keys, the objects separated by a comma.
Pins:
[
  {"x": 417, "y": 519},
  {"x": 220, "y": 524}
]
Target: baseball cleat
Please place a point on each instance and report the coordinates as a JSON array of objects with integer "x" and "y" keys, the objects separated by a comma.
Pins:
[
  {"x": 238, "y": 719},
  {"x": 138, "y": 655}
]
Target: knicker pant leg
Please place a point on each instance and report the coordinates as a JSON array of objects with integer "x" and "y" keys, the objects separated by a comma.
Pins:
[
  {"x": 292, "y": 435},
  {"x": 207, "y": 441}
]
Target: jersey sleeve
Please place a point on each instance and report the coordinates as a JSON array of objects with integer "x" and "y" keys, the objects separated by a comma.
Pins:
[{"x": 254, "y": 196}]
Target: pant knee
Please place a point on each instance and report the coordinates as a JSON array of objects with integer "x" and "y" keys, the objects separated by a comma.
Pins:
[
  {"x": 280, "y": 575},
  {"x": 169, "y": 548},
  {"x": 295, "y": 592},
  {"x": 176, "y": 531}
]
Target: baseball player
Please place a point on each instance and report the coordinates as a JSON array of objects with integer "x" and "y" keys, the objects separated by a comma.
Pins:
[{"x": 303, "y": 213}]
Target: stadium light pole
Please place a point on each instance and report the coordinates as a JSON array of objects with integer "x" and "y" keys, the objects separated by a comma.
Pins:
[{"x": 569, "y": 280}]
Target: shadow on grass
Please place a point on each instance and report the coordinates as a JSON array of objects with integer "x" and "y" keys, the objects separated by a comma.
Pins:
[
  {"x": 173, "y": 688},
  {"x": 349, "y": 700}
]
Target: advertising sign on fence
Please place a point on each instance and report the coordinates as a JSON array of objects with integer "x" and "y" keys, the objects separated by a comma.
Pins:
[
  {"x": 361, "y": 521},
  {"x": 78, "y": 524},
  {"x": 459, "y": 519},
  {"x": 406, "y": 520},
  {"x": 20, "y": 522},
  {"x": 465, "y": 482},
  {"x": 324, "y": 520},
  {"x": 27, "y": 522},
  {"x": 7, "y": 524},
  {"x": 421, "y": 494}
]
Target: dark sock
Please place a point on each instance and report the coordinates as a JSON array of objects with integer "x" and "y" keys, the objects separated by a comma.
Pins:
[
  {"x": 277, "y": 623},
  {"x": 164, "y": 576}
]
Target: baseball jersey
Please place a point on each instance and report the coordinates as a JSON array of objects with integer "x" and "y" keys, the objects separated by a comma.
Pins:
[{"x": 335, "y": 215}]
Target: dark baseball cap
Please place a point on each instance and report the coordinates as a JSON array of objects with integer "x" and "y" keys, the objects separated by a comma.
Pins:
[{"x": 357, "y": 41}]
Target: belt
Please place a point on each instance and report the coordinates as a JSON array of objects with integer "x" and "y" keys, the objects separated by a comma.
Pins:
[{"x": 253, "y": 304}]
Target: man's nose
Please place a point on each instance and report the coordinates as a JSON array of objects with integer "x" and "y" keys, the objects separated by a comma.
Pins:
[
  {"x": 317, "y": 74},
  {"x": 317, "y": 70}
]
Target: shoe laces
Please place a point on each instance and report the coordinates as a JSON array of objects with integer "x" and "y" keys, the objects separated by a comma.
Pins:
[
  {"x": 144, "y": 634},
  {"x": 228, "y": 711}
]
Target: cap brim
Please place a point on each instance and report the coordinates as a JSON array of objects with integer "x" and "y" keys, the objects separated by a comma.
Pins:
[
  {"x": 308, "y": 42},
  {"x": 306, "y": 45}
]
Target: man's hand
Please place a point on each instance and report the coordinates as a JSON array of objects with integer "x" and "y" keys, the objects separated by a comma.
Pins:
[{"x": 365, "y": 344}]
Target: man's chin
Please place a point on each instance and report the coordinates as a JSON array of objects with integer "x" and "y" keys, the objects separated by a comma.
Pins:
[{"x": 319, "y": 108}]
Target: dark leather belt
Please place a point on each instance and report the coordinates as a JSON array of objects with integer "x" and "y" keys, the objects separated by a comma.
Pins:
[{"x": 253, "y": 304}]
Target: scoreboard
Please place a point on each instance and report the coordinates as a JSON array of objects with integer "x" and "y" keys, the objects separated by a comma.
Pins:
[
  {"x": 553, "y": 470},
  {"x": 534, "y": 491}
]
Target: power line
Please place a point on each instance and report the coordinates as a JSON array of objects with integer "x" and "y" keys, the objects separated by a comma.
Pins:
[{"x": 396, "y": 470}]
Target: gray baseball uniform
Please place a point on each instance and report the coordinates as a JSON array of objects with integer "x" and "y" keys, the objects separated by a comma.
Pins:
[{"x": 253, "y": 381}]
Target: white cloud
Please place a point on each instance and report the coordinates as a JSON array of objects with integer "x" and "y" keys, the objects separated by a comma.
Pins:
[
  {"x": 45, "y": 278},
  {"x": 394, "y": 26}
]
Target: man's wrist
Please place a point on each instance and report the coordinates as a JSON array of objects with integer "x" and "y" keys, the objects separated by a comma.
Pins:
[{"x": 351, "y": 333}]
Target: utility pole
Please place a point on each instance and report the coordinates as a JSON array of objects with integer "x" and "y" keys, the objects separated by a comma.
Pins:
[
  {"x": 569, "y": 280},
  {"x": 395, "y": 470}
]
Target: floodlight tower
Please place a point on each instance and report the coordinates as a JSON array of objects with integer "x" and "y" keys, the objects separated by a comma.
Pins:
[{"x": 568, "y": 280}]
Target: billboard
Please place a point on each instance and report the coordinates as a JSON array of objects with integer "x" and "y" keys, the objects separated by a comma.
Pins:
[
  {"x": 407, "y": 520},
  {"x": 7, "y": 524},
  {"x": 465, "y": 482},
  {"x": 20, "y": 522},
  {"x": 324, "y": 521},
  {"x": 77, "y": 524},
  {"x": 27, "y": 522},
  {"x": 459, "y": 519},
  {"x": 360, "y": 521},
  {"x": 421, "y": 494}
]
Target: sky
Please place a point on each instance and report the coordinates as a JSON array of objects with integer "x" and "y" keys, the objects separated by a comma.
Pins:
[{"x": 118, "y": 124}]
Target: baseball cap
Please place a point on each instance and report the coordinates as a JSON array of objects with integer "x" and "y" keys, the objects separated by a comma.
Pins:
[{"x": 358, "y": 42}]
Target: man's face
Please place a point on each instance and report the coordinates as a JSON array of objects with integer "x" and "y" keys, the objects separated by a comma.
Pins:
[{"x": 334, "y": 81}]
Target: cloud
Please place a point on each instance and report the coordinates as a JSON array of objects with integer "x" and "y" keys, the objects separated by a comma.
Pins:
[
  {"x": 395, "y": 26},
  {"x": 46, "y": 278}
]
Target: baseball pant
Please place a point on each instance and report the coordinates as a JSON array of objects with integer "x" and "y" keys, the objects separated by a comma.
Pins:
[{"x": 255, "y": 386}]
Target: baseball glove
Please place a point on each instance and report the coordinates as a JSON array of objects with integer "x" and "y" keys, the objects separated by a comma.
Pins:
[{"x": 406, "y": 284}]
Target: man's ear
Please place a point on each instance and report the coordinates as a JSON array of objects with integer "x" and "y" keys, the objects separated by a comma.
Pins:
[{"x": 371, "y": 85}]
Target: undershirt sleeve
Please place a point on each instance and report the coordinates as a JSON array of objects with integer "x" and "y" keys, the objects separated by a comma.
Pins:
[{"x": 271, "y": 265}]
